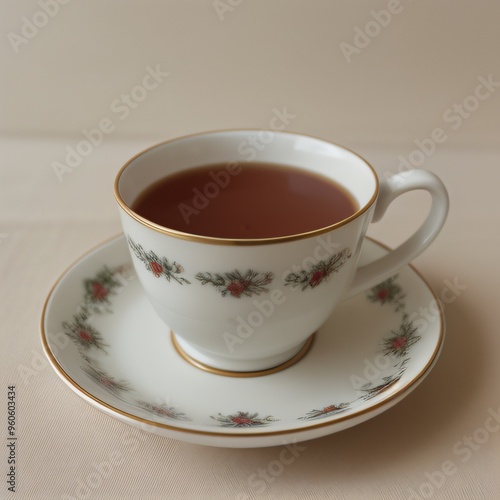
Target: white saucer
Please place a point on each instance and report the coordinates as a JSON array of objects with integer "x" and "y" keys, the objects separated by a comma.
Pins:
[{"x": 106, "y": 343}]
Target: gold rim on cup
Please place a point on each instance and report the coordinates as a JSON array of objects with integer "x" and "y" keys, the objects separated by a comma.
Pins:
[{"x": 234, "y": 241}]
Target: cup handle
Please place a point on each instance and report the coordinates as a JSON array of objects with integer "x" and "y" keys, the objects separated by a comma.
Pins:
[{"x": 373, "y": 273}]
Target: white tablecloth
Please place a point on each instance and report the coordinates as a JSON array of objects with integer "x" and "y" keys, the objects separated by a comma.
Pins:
[{"x": 46, "y": 225}]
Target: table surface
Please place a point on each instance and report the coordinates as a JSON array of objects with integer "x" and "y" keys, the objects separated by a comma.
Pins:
[{"x": 443, "y": 440}]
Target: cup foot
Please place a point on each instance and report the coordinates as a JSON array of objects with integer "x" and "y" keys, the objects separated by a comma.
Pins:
[{"x": 275, "y": 364}]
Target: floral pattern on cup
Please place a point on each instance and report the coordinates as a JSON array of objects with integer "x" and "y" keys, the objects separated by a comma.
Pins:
[
  {"x": 236, "y": 284},
  {"x": 158, "y": 266},
  {"x": 319, "y": 272},
  {"x": 243, "y": 419}
]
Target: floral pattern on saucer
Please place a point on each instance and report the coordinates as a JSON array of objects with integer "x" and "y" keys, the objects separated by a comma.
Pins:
[
  {"x": 396, "y": 346},
  {"x": 370, "y": 391},
  {"x": 327, "y": 411},
  {"x": 243, "y": 419},
  {"x": 115, "y": 354},
  {"x": 96, "y": 300},
  {"x": 163, "y": 410},
  {"x": 99, "y": 290},
  {"x": 388, "y": 292},
  {"x": 399, "y": 343},
  {"x": 109, "y": 383},
  {"x": 319, "y": 272},
  {"x": 83, "y": 334}
]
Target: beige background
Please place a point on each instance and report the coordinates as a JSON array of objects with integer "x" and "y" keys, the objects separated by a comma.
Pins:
[{"x": 227, "y": 73}]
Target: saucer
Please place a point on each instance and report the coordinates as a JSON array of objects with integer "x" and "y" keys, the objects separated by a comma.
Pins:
[{"x": 106, "y": 343}]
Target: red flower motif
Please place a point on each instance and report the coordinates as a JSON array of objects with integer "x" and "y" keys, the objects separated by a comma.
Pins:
[
  {"x": 399, "y": 343},
  {"x": 241, "y": 420},
  {"x": 156, "y": 268},
  {"x": 162, "y": 411},
  {"x": 99, "y": 292},
  {"x": 84, "y": 335},
  {"x": 382, "y": 294},
  {"x": 236, "y": 288},
  {"x": 106, "y": 382},
  {"x": 317, "y": 278},
  {"x": 330, "y": 408}
]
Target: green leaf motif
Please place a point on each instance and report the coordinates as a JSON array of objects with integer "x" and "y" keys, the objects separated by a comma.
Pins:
[
  {"x": 236, "y": 284},
  {"x": 159, "y": 266},
  {"x": 319, "y": 272}
]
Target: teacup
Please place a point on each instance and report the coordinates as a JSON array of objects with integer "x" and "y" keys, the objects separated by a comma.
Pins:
[{"x": 292, "y": 283}]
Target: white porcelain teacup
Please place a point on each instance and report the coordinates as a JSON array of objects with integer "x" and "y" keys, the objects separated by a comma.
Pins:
[{"x": 299, "y": 279}]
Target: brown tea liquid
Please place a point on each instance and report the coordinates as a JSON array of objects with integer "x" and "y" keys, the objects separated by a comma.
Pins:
[{"x": 245, "y": 201}]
